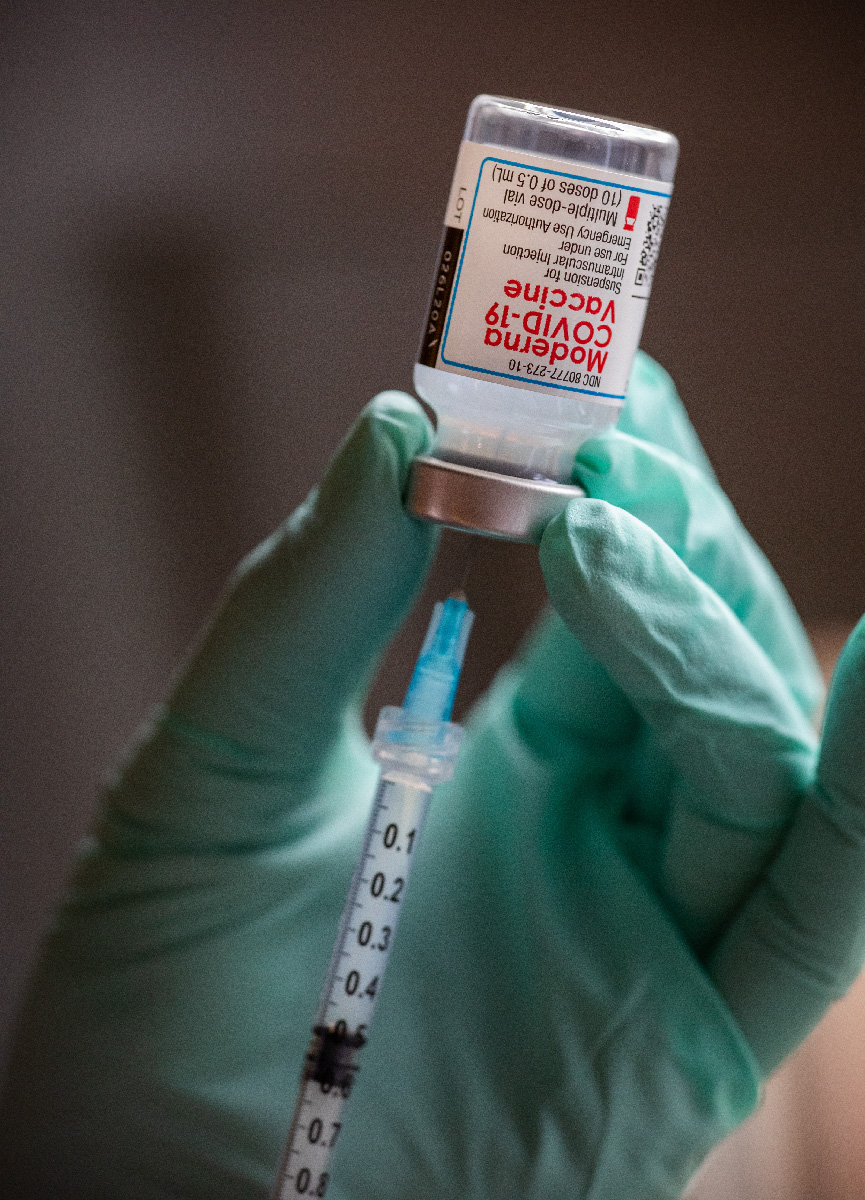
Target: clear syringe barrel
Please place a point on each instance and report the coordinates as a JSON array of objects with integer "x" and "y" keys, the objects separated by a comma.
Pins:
[
  {"x": 415, "y": 756},
  {"x": 416, "y": 751}
]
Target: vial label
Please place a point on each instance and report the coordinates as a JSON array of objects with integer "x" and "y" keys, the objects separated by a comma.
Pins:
[{"x": 545, "y": 271}]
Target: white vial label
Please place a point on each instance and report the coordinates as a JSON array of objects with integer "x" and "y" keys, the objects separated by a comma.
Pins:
[{"x": 546, "y": 269}]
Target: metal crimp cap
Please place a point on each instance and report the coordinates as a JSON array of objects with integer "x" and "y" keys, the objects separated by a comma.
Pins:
[{"x": 475, "y": 501}]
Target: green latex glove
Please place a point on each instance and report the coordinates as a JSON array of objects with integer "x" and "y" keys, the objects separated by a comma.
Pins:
[{"x": 626, "y": 908}]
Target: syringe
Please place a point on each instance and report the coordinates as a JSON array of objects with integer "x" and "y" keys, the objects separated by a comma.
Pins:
[{"x": 416, "y": 747}]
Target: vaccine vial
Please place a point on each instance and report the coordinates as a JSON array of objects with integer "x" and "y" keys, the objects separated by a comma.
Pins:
[{"x": 551, "y": 237}]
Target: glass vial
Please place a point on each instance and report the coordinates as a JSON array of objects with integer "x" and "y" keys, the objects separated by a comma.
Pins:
[{"x": 551, "y": 237}]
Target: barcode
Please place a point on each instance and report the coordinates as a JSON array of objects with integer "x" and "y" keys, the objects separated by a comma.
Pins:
[{"x": 651, "y": 246}]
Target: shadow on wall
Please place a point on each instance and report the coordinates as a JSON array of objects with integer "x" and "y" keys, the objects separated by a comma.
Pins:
[{"x": 165, "y": 288}]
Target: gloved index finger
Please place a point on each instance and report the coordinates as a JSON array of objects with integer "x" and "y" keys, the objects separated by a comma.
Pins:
[
  {"x": 698, "y": 522},
  {"x": 719, "y": 707},
  {"x": 561, "y": 695},
  {"x": 564, "y": 696},
  {"x": 719, "y": 710}
]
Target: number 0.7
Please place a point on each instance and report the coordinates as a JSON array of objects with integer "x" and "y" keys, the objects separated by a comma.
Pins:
[{"x": 316, "y": 1128}]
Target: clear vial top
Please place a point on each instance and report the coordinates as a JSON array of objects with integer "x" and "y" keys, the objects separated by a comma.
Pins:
[{"x": 579, "y": 137}]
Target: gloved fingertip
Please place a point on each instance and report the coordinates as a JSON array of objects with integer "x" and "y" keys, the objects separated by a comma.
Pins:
[
  {"x": 594, "y": 457},
  {"x": 401, "y": 418},
  {"x": 555, "y": 543},
  {"x": 585, "y": 543},
  {"x": 370, "y": 470},
  {"x": 623, "y": 469},
  {"x": 320, "y": 599}
]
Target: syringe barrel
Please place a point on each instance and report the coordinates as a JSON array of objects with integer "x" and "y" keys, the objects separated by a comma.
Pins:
[{"x": 415, "y": 750}]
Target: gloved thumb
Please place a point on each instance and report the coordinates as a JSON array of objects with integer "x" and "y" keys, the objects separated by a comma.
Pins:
[
  {"x": 307, "y": 615},
  {"x": 292, "y": 646}
]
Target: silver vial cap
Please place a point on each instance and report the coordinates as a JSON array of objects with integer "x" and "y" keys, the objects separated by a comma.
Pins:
[{"x": 475, "y": 501}]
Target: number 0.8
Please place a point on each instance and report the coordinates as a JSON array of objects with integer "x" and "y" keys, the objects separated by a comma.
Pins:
[{"x": 304, "y": 1179}]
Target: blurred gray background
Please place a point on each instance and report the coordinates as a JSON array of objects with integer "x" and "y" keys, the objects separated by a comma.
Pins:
[{"x": 218, "y": 223}]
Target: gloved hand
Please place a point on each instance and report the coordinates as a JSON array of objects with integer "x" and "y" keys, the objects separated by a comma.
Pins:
[{"x": 630, "y": 904}]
